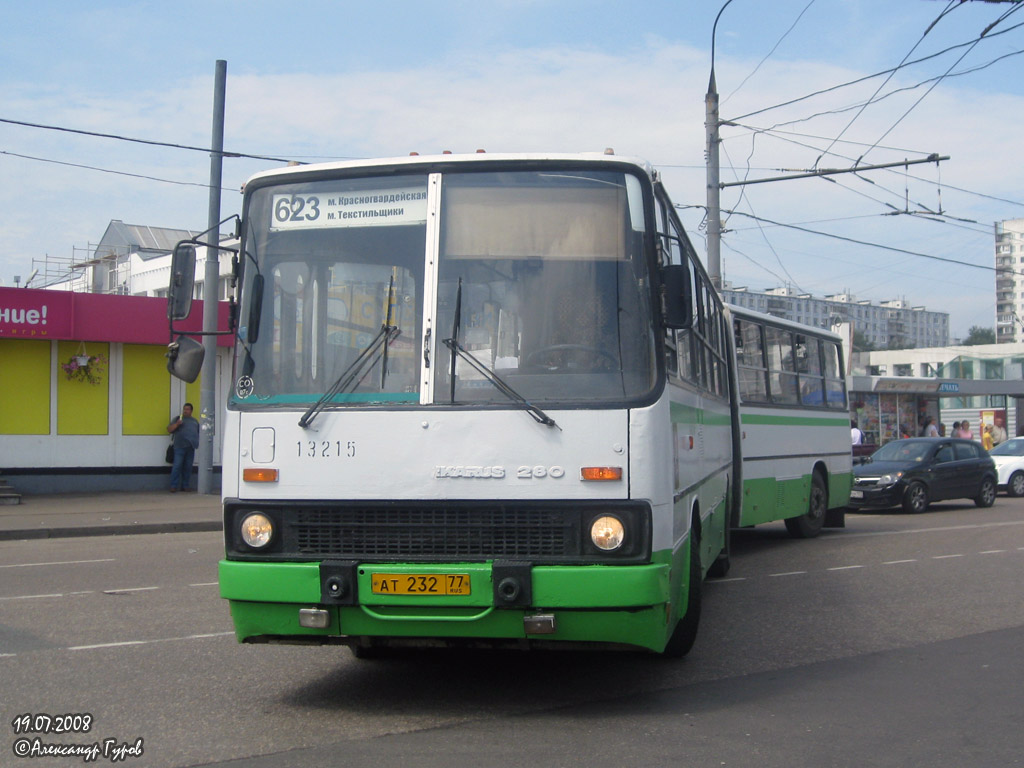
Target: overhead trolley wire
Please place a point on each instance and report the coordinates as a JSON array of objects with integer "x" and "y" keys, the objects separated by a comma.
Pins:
[
  {"x": 150, "y": 142},
  {"x": 872, "y": 76}
]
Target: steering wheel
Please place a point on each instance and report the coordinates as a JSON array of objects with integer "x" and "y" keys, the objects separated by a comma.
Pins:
[{"x": 566, "y": 351}]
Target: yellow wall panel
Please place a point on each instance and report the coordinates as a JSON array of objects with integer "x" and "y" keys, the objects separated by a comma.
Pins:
[
  {"x": 24, "y": 387},
  {"x": 82, "y": 408},
  {"x": 145, "y": 404}
]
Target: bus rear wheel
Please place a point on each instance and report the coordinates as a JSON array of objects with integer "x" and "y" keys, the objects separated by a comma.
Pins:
[{"x": 809, "y": 525}]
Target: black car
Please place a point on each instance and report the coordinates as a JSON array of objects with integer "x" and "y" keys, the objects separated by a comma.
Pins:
[{"x": 913, "y": 473}]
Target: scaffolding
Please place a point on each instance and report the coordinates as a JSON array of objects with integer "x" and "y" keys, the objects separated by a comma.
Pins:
[{"x": 85, "y": 271}]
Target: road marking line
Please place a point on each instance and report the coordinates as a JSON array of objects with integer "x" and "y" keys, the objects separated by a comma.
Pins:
[
  {"x": 207, "y": 584},
  {"x": 146, "y": 642},
  {"x": 944, "y": 557},
  {"x": 29, "y": 597},
  {"x": 898, "y": 562},
  {"x": 992, "y": 552},
  {"x": 844, "y": 568},
  {"x": 62, "y": 562},
  {"x": 725, "y": 581},
  {"x": 939, "y": 529},
  {"x": 788, "y": 573},
  {"x": 83, "y": 592},
  {"x": 128, "y": 589}
]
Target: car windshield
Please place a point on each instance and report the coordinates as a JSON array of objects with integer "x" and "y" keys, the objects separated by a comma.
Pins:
[
  {"x": 903, "y": 450},
  {"x": 1013, "y": 447}
]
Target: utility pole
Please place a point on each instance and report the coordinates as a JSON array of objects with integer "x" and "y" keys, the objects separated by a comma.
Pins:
[
  {"x": 208, "y": 388},
  {"x": 714, "y": 189}
]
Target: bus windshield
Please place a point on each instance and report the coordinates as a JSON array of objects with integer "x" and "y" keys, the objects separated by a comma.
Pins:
[{"x": 539, "y": 275}]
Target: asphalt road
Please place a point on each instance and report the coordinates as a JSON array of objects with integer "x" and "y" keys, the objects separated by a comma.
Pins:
[{"x": 894, "y": 642}]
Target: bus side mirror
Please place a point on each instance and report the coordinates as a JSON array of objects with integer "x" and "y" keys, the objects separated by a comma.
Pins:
[
  {"x": 183, "y": 275},
  {"x": 676, "y": 297},
  {"x": 185, "y": 358}
]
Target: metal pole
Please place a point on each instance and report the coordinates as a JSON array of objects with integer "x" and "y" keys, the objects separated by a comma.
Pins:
[
  {"x": 208, "y": 388},
  {"x": 714, "y": 189}
]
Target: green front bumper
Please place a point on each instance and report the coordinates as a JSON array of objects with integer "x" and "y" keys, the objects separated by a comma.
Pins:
[{"x": 591, "y": 603}]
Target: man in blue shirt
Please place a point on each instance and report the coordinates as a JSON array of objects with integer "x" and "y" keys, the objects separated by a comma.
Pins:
[{"x": 186, "y": 439}]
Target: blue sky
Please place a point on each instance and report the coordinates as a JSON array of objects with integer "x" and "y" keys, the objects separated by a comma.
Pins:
[{"x": 325, "y": 80}]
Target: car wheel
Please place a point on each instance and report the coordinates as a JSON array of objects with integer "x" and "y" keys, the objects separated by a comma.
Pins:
[
  {"x": 987, "y": 495},
  {"x": 809, "y": 525},
  {"x": 1015, "y": 485},
  {"x": 915, "y": 498}
]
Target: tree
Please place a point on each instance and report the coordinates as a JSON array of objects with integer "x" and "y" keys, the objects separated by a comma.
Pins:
[
  {"x": 976, "y": 334},
  {"x": 862, "y": 343}
]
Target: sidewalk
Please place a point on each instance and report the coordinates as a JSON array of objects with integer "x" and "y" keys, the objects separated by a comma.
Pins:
[{"x": 43, "y": 516}]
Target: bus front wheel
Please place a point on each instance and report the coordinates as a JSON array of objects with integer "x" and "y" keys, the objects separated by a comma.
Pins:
[
  {"x": 809, "y": 525},
  {"x": 685, "y": 633}
]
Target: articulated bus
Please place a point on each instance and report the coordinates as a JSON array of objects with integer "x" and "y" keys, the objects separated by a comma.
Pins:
[
  {"x": 794, "y": 421},
  {"x": 480, "y": 400}
]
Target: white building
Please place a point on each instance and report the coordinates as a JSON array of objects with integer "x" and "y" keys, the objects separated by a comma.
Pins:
[
  {"x": 131, "y": 260},
  {"x": 893, "y": 323},
  {"x": 1009, "y": 280},
  {"x": 967, "y": 382}
]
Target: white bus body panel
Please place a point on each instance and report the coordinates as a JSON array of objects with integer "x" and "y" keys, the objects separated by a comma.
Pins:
[{"x": 375, "y": 455}]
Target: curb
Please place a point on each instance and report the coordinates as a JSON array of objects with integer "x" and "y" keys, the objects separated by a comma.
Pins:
[{"x": 112, "y": 530}]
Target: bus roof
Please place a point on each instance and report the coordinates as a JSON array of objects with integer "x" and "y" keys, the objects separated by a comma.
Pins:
[
  {"x": 783, "y": 322},
  {"x": 482, "y": 158}
]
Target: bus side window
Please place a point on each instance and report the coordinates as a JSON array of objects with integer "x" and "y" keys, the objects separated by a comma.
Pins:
[
  {"x": 750, "y": 359},
  {"x": 781, "y": 369},
  {"x": 671, "y": 253},
  {"x": 835, "y": 385},
  {"x": 808, "y": 362}
]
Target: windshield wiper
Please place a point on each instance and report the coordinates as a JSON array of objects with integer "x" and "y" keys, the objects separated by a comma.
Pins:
[
  {"x": 355, "y": 372},
  {"x": 458, "y": 350},
  {"x": 538, "y": 415}
]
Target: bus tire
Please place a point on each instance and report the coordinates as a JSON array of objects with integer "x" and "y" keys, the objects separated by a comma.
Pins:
[
  {"x": 809, "y": 525},
  {"x": 685, "y": 633}
]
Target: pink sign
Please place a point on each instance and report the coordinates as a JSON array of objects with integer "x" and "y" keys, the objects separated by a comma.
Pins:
[
  {"x": 26, "y": 313},
  {"x": 30, "y": 314}
]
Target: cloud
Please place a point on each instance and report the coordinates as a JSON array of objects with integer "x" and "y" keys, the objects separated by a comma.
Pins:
[{"x": 646, "y": 101}]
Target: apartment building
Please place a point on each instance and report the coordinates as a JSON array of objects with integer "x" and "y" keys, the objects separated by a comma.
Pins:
[
  {"x": 1009, "y": 281},
  {"x": 888, "y": 324}
]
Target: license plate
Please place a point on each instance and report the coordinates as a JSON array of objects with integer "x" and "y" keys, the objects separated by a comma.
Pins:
[
  {"x": 420, "y": 584},
  {"x": 856, "y": 494}
]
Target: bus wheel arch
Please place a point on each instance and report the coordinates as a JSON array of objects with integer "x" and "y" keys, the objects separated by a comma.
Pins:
[
  {"x": 685, "y": 633},
  {"x": 809, "y": 524}
]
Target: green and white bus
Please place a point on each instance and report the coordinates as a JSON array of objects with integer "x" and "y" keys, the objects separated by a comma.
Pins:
[
  {"x": 478, "y": 400},
  {"x": 795, "y": 422}
]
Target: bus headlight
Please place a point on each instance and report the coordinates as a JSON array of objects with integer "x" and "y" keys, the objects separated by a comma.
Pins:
[
  {"x": 257, "y": 530},
  {"x": 607, "y": 533}
]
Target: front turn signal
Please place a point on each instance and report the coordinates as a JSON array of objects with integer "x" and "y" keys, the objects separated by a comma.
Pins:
[
  {"x": 259, "y": 475},
  {"x": 600, "y": 473}
]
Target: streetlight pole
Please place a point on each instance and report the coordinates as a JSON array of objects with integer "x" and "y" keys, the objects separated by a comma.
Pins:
[
  {"x": 714, "y": 190},
  {"x": 208, "y": 388}
]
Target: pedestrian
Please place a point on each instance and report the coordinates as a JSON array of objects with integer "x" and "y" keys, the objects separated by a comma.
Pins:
[
  {"x": 956, "y": 429},
  {"x": 929, "y": 429},
  {"x": 186, "y": 439},
  {"x": 965, "y": 430},
  {"x": 942, "y": 429},
  {"x": 855, "y": 434},
  {"x": 986, "y": 438}
]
